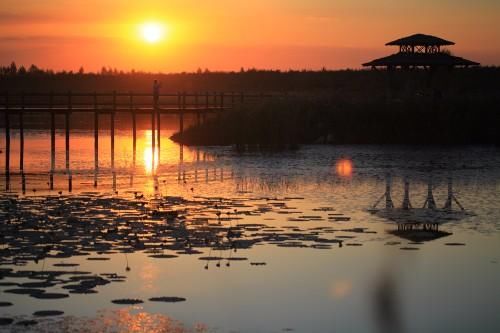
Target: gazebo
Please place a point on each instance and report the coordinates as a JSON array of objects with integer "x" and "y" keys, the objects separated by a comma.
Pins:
[{"x": 420, "y": 50}]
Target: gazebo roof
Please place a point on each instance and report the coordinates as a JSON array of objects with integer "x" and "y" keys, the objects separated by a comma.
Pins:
[
  {"x": 420, "y": 40},
  {"x": 421, "y": 59}
]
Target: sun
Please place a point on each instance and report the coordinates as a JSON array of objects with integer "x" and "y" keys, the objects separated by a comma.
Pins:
[{"x": 153, "y": 32}]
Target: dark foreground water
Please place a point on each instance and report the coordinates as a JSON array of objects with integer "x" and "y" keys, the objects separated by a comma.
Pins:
[{"x": 249, "y": 243}]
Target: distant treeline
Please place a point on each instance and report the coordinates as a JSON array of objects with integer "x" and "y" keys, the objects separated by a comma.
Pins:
[{"x": 355, "y": 83}]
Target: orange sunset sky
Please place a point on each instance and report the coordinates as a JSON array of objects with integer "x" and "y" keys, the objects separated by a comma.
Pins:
[{"x": 227, "y": 35}]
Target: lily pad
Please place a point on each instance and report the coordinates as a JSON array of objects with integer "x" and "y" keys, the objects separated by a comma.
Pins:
[
  {"x": 167, "y": 299},
  {"x": 127, "y": 301},
  {"x": 6, "y": 321},
  {"x": 26, "y": 323},
  {"x": 163, "y": 256},
  {"x": 25, "y": 291},
  {"x": 50, "y": 296},
  {"x": 48, "y": 313}
]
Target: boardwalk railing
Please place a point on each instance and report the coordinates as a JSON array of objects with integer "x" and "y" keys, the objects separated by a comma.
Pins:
[
  {"x": 200, "y": 104},
  {"x": 181, "y": 102}
]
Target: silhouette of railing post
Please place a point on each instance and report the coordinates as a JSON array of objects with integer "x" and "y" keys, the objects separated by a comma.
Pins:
[
  {"x": 52, "y": 141},
  {"x": 21, "y": 134},
  {"x": 134, "y": 127},
  {"x": 70, "y": 107},
  {"x": 113, "y": 132}
]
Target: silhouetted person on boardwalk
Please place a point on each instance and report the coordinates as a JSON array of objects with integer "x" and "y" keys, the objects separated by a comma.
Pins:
[{"x": 156, "y": 92}]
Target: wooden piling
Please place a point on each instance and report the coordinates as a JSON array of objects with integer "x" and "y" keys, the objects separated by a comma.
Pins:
[
  {"x": 96, "y": 133},
  {"x": 52, "y": 134},
  {"x": 70, "y": 182},
  {"x": 134, "y": 127},
  {"x": 21, "y": 134},
  {"x": 181, "y": 114},
  {"x": 70, "y": 107},
  {"x": 23, "y": 183},
  {"x": 7, "y": 137},
  {"x": 158, "y": 128},
  {"x": 153, "y": 135},
  {"x": 113, "y": 132}
]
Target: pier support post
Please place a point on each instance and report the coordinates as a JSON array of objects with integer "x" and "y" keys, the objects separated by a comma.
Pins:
[
  {"x": 7, "y": 141},
  {"x": 134, "y": 128},
  {"x": 113, "y": 132},
  {"x": 153, "y": 134},
  {"x": 96, "y": 135},
  {"x": 158, "y": 128},
  {"x": 21, "y": 134},
  {"x": 70, "y": 182},
  {"x": 70, "y": 107},
  {"x": 182, "y": 108},
  {"x": 52, "y": 135},
  {"x": 23, "y": 183}
]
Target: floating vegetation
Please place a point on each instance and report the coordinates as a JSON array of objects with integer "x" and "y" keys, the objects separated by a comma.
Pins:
[
  {"x": 50, "y": 296},
  {"x": 26, "y": 323},
  {"x": 98, "y": 227},
  {"x": 62, "y": 264},
  {"x": 5, "y": 304},
  {"x": 406, "y": 248},
  {"x": 210, "y": 258},
  {"x": 127, "y": 301},
  {"x": 98, "y": 258},
  {"x": 237, "y": 258},
  {"x": 48, "y": 313},
  {"x": 454, "y": 244},
  {"x": 25, "y": 291},
  {"x": 167, "y": 299},
  {"x": 6, "y": 321},
  {"x": 163, "y": 256}
]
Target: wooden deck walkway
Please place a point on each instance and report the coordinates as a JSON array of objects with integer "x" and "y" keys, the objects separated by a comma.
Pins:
[{"x": 52, "y": 104}]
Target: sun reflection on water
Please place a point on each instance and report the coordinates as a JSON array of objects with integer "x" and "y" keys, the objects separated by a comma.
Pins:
[{"x": 150, "y": 162}]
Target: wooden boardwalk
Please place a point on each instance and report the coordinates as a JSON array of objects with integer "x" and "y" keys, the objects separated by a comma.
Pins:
[{"x": 52, "y": 104}]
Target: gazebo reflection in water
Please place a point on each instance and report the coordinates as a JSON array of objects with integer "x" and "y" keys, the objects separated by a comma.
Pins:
[{"x": 419, "y": 224}]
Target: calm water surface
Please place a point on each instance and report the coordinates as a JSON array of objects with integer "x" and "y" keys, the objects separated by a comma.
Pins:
[{"x": 368, "y": 278}]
